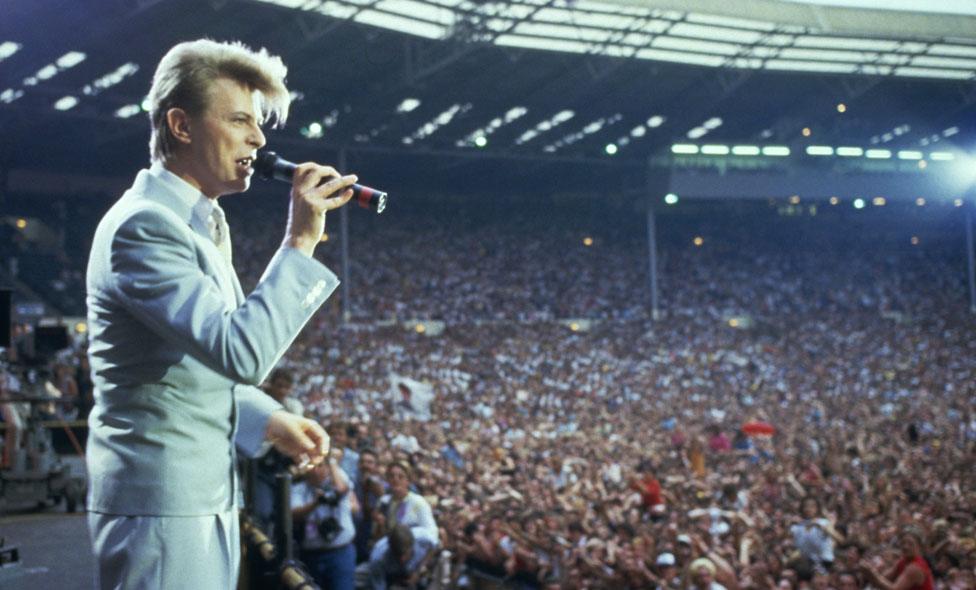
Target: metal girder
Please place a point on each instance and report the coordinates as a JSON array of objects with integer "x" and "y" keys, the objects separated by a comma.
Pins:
[
  {"x": 105, "y": 30},
  {"x": 472, "y": 33},
  {"x": 319, "y": 27}
]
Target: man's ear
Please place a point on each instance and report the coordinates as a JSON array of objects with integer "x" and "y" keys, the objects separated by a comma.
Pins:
[{"x": 178, "y": 123}]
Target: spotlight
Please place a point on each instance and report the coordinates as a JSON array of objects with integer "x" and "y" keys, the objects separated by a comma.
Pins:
[
  {"x": 834, "y": 200},
  {"x": 611, "y": 149},
  {"x": 841, "y": 108},
  {"x": 859, "y": 203},
  {"x": 671, "y": 198}
]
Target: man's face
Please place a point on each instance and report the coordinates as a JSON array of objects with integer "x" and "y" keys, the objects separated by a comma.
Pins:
[
  {"x": 367, "y": 464},
  {"x": 319, "y": 474},
  {"x": 810, "y": 509},
  {"x": 702, "y": 577},
  {"x": 224, "y": 134},
  {"x": 338, "y": 436},
  {"x": 847, "y": 582},
  {"x": 909, "y": 545},
  {"x": 399, "y": 484}
]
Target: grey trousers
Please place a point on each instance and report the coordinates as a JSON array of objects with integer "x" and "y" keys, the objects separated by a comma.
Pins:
[{"x": 166, "y": 552}]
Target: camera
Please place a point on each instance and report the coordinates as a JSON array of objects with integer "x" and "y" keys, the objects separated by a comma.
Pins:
[
  {"x": 329, "y": 528},
  {"x": 329, "y": 497}
]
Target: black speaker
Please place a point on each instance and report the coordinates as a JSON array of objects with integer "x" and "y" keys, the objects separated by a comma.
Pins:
[{"x": 6, "y": 328}]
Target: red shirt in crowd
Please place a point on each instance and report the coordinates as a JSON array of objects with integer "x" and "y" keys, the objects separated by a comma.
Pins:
[
  {"x": 923, "y": 565},
  {"x": 650, "y": 491}
]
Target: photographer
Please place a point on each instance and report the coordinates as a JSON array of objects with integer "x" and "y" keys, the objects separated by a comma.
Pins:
[
  {"x": 370, "y": 487},
  {"x": 400, "y": 558},
  {"x": 322, "y": 508}
]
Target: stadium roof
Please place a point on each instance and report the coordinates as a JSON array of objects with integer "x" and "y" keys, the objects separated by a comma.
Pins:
[{"x": 529, "y": 80}]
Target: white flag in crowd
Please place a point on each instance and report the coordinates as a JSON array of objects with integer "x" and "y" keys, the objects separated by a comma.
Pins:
[{"x": 411, "y": 398}]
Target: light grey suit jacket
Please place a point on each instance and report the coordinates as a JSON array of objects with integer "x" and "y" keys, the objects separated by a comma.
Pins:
[{"x": 176, "y": 350}]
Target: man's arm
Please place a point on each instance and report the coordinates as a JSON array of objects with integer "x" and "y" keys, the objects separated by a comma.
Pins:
[
  {"x": 302, "y": 503},
  {"x": 156, "y": 272},
  {"x": 377, "y": 564},
  {"x": 426, "y": 521},
  {"x": 911, "y": 577}
]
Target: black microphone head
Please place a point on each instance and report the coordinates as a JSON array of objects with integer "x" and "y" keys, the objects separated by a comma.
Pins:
[{"x": 264, "y": 164}]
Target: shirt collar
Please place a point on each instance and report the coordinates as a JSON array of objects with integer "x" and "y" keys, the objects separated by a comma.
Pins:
[{"x": 190, "y": 196}]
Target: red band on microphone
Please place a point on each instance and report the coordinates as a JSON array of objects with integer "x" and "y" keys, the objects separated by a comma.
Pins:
[{"x": 364, "y": 197}]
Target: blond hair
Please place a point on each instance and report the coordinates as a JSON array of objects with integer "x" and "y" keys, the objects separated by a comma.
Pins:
[{"x": 184, "y": 77}]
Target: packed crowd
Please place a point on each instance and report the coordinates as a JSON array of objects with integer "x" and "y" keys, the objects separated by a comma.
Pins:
[
  {"x": 616, "y": 457},
  {"x": 635, "y": 453},
  {"x": 598, "y": 459}
]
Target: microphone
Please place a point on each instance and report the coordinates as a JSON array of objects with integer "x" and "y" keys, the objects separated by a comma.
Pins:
[{"x": 269, "y": 165}]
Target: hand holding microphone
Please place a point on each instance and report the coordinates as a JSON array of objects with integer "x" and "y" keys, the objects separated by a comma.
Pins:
[
  {"x": 316, "y": 189},
  {"x": 269, "y": 165}
]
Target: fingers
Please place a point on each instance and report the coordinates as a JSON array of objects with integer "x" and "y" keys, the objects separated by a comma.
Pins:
[
  {"x": 308, "y": 175},
  {"x": 318, "y": 436},
  {"x": 303, "y": 440},
  {"x": 333, "y": 187},
  {"x": 336, "y": 202},
  {"x": 319, "y": 183}
]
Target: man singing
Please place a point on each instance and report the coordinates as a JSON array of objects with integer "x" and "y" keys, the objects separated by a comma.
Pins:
[{"x": 176, "y": 348}]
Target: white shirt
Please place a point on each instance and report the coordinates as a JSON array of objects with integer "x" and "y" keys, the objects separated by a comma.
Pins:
[
  {"x": 413, "y": 511},
  {"x": 302, "y": 493},
  {"x": 812, "y": 541}
]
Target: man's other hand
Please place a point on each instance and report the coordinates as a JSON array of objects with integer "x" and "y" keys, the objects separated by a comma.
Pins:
[{"x": 301, "y": 439}]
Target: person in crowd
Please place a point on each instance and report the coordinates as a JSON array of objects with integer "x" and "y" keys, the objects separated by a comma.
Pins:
[
  {"x": 401, "y": 558},
  {"x": 910, "y": 572},
  {"x": 701, "y": 573},
  {"x": 369, "y": 488},
  {"x": 339, "y": 435},
  {"x": 323, "y": 505},
  {"x": 814, "y": 535},
  {"x": 402, "y": 506},
  {"x": 280, "y": 385}
]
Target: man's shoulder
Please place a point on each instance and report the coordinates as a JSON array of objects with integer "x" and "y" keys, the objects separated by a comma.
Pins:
[
  {"x": 415, "y": 498},
  {"x": 135, "y": 208}
]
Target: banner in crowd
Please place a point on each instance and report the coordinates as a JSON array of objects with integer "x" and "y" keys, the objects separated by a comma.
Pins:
[{"x": 411, "y": 398}]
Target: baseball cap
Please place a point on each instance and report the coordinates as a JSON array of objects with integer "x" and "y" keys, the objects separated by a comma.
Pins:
[{"x": 666, "y": 559}]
